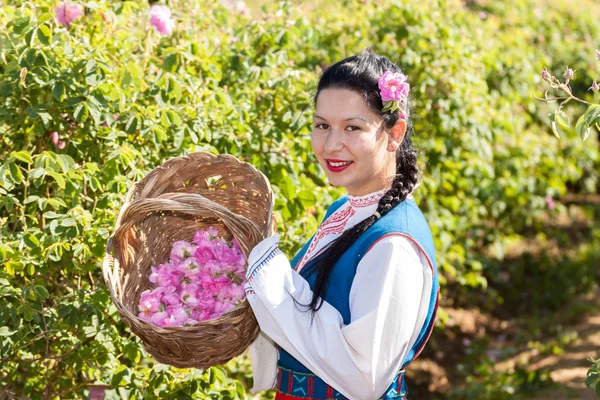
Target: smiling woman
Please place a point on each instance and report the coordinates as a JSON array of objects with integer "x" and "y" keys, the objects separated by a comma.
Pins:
[
  {"x": 351, "y": 143},
  {"x": 357, "y": 304}
]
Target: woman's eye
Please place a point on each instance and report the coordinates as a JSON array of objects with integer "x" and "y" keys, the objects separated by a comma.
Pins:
[
  {"x": 322, "y": 126},
  {"x": 353, "y": 126}
]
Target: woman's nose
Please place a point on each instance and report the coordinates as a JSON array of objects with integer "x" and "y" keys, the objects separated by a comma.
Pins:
[{"x": 334, "y": 141}]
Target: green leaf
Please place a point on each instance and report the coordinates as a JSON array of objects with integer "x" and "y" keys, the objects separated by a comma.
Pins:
[
  {"x": 563, "y": 119},
  {"x": 287, "y": 187},
  {"x": 90, "y": 67},
  {"x": 59, "y": 91},
  {"x": 58, "y": 178},
  {"x": 307, "y": 197},
  {"x": 30, "y": 36},
  {"x": 74, "y": 101},
  {"x": 132, "y": 123},
  {"x": 15, "y": 172},
  {"x": 22, "y": 155},
  {"x": 584, "y": 123},
  {"x": 44, "y": 34},
  {"x": 95, "y": 112},
  {"x": 42, "y": 292},
  {"x": 4, "y": 250},
  {"x": 81, "y": 112},
  {"x": 45, "y": 17},
  {"x": 20, "y": 25},
  {"x": 171, "y": 62},
  {"x": 68, "y": 222},
  {"x": 31, "y": 241},
  {"x": 4, "y": 331}
]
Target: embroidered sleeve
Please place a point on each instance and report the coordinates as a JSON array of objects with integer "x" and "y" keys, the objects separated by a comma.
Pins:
[{"x": 388, "y": 301}]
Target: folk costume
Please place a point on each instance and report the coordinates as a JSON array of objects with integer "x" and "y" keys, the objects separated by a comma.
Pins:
[{"x": 378, "y": 312}]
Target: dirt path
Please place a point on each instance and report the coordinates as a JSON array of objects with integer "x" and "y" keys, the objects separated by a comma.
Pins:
[{"x": 568, "y": 370}]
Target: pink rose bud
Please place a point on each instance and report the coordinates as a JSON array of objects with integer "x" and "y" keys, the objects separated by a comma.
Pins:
[
  {"x": 160, "y": 18},
  {"x": 55, "y": 138},
  {"x": 66, "y": 13},
  {"x": 568, "y": 73},
  {"x": 61, "y": 144},
  {"x": 595, "y": 87},
  {"x": 598, "y": 54},
  {"x": 546, "y": 75}
]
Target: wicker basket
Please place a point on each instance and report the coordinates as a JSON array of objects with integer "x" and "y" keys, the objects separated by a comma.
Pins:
[{"x": 170, "y": 204}]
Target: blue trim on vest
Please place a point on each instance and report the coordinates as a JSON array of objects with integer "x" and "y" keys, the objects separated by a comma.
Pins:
[{"x": 407, "y": 219}]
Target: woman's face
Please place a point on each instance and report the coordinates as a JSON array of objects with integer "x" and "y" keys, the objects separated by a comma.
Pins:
[{"x": 351, "y": 144}]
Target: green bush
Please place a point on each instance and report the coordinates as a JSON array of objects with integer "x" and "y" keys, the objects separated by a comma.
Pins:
[{"x": 124, "y": 99}]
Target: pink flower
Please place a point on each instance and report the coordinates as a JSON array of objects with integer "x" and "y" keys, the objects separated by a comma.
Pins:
[
  {"x": 55, "y": 137},
  {"x": 393, "y": 86},
  {"x": 212, "y": 232},
  {"x": 66, "y": 13},
  {"x": 189, "y": 267},
  {"x": 188, "y": 295},
  {"x": 149, "y": 302},
  {"x": 181, "y": 250},
  {"x": 550, "y": 203},
  {"x": 160, "y": 18},
  {"x": 165, "y": 275},
  {"x": 170, "y": 296},
  {"x": 598, "y": 54},
  {"x": 595, "y": 87},
  {"x": 177, "y": 316},
  {"x": 201, "y": 238},
  {"x": 212, "y": 267},
  {"x": 204, "y": 254},
  {"x": 160, "y": 318},
  {"x": 237, "y": 292},
  {"x": 225, "y": 254},
  {"x": 190, "y": 322}
]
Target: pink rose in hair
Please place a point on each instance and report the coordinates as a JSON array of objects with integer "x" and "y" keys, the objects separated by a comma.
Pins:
[
  {"x": 67, "y": 13},
  {"x": 393, "y": 86}
]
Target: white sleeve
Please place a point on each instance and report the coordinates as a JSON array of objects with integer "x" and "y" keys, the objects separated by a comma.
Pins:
[{"x": 389, "y": 299}]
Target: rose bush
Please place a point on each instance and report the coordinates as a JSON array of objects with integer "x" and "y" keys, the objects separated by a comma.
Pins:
[{"x": 90, "y": 103}]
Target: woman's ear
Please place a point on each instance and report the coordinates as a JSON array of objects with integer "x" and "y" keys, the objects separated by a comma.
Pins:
[{"x": 398, "y": 132}]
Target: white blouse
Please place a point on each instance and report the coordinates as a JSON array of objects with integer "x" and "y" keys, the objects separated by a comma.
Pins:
[{"x": 389, "y": 300}]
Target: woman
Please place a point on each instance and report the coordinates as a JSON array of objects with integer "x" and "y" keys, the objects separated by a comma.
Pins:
[{"x": 357, "y": 304}]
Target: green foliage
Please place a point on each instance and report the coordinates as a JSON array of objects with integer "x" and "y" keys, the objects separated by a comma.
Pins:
[
  {"x": 593, "y": 376},
  {"x": 124, "y": 99}
]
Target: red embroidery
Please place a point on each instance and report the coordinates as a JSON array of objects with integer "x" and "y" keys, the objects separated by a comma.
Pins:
[
  {"x": 365, "y": 201},
  {"x": 329, "y": 391},
  {"x": 335, "y": 224}
]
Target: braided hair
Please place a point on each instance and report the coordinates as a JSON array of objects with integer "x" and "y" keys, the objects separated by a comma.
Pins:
[{"x": 360, "y": 73}]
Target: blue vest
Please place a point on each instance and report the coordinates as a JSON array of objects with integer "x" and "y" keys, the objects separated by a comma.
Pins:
[{"x": 295, "y": 379}]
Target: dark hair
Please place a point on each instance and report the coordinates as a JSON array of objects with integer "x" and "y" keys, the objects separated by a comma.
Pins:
[{"x": 360, "y": 73}]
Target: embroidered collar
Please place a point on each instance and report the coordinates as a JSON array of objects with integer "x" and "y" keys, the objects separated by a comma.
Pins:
[{"x": 367, "y": 199}]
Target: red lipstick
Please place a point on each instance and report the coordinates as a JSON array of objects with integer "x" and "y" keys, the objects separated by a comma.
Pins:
[{"x": 339, "y": 166}]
